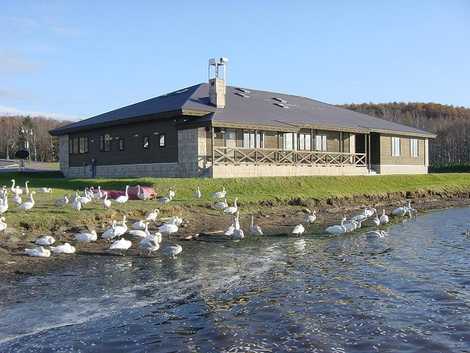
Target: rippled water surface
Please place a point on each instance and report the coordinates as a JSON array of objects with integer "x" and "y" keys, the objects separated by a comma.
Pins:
[{"x": 408, "y": 292}]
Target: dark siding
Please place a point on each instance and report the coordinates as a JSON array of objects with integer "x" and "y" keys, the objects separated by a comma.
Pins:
[
  {"x": 375, "y": 148},
  {"x": 133, "y": 153}
]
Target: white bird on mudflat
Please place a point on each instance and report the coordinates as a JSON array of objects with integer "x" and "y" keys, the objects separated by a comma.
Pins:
[
  {"x": 45, "y": 240},
  {"x": 254, "y": 228},
  {"x": 4, "y": 205},
  {"x": 86, "y": 237},
  {"x": 121, "y": 244},
  {"x": 139, "y": 225},
  {"x": 121, "y": 229},
  {"x": 198, "y": 193},
  {"x": 310, "y": 217},
  {"x": 106, "y": 201},
  {"x": 178, "y": 221},
  {"x": 220, "y": 205},
  {"x": 62, "y": 201},
  {"x": 3, "y": 224},
  {"x": 233, "y": 209},
  {"x": 38, "y": 252},
  {"x": 17, "y": 199},
  {"x": 384, "y": 218},
  {"x": 337, "y": 229},
  {"x": 168, "y": 228},
  {"x": 45, "y": 190},
  {"x": 230, "y": 229},
  {"x": 123, "y": 198},
  {"x": 352, "y": 225},
  {"x": 141, "y": 233},
  {"x": 149, "y": 244},
  {"x": 376, "y": 234},
  {"x": 26, "y": 206},
  {"x": 172, "y": 250},
  {"x": 141, "y": 194},
  {"x": 298, "y": 230},
  {"x": 110, "y": 232},
  {"x": 152, "y": 215},
  {"x": 65, "y": 248},
  {"x": 220, "y": 194}
]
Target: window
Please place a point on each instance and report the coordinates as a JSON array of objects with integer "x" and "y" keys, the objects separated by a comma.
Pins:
[
  {"x": 76, "y": 147},
  {"x": 105, "y": 143},
  {"x": 121, "y": 144},
  {"x": 83, "y": 145},
  {"x": 288, "y": 141},
  {"x": 414, "y": 147},
  {"x": 70, "y": 145},
  {"x": 320, "y": 143},
  {"x": 304, "y": 142},
  {"x": 396, "y": 147},
  {"x": 146, "y": 143},
  {"x": 162, "y": 140},
  {"x": 252, "y": 139}
]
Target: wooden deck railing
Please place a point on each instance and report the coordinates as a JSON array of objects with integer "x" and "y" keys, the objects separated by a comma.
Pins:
[{"x": 237, "y": 155}]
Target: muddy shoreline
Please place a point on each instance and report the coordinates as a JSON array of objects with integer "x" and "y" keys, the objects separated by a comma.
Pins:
[{"x": 207, "y": 225}]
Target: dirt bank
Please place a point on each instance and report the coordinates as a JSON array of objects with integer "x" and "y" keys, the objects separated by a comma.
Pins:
[{"x": 201, "y": 223}]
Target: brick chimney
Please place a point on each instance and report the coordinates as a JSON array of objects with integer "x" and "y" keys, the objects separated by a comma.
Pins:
[{"x": 217, "y": 70}]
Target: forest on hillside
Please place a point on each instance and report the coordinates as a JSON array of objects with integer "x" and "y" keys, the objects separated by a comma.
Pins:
[
  {"x": 450, "y": 123},
  {"x": 31, "y": 133}
]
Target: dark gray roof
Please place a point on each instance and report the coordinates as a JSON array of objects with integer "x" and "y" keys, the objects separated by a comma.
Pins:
[{"x": 250, "y": 107}]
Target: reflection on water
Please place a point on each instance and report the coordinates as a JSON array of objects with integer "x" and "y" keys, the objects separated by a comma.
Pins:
[{"x": 406, "y": 292}]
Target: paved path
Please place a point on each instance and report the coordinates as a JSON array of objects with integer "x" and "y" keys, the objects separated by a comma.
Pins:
[{"x": 9, "y": 166}]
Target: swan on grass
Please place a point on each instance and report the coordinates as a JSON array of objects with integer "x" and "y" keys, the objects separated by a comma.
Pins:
[
  {"x": 110, "y": 232},
  {"x": 26, "y": 188},
  {"x": 62, "y": 201},
  {"x": 45, "y": 190},
  {"x": 45, "y": 240},
  {"x": 4, "y": 206},
  {"x": 220, "y": 194},
  {"x": 15, "y": 189},
  {"x": 198, "y": 193},
  {"x": 38, "y": 252},
  {"x": 86, "y": 237},
  {"x": 3, "y": 224},
  {"x": 106, "y": 201},
  {"x": 63, "y": 249},
  {"x": 172, "y": 193},
  {"x": 164, "y": 200},
  {"x": 220, "y": 205},
  {"x": 76, "y": 204},
  {"x": 139, "y": 225},
  {"x": 254, "y": 228},
  {"x": 28, "y": 205},
  {"x": 337, "y": 229},
  {"x": 17, "y": 199},
  {"x": 233, "y": 209},
  {"x": 123, "y": 198}
]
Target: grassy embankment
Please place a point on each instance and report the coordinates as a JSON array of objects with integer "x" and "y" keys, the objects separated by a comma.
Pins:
[{"x": 249, "y": 191}]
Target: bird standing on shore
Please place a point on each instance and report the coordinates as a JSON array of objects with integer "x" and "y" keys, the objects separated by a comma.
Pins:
[
  {"x": 152, "y": 215},
  {"x": 220, "y": 194},
  {"x": 123, "y": 198},
  {"x": 3, "y": 224},
  {"x": 28, "y": 205},
  {"x": 106, "y": 201},
  {"x": 254, "y": 228},
  {"x": 233, "y": 209},
  {"x": 310, "y": 217},
  {"x": 383, "y": 218},
  {"x": 38, "y": 252},
  {"x": 298, "y": 230},
  {"x": 197, "y": 193}
]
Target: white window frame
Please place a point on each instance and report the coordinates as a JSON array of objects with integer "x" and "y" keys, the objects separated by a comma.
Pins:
[
  {"x": 320, "y": 143},
  {"x": 249, "y": 139},
  {"x": 288, "y": 141},
  {"x": 396, "y": 146},
  {"x": 414, "y": 148},
  {"x": 305, "y": 142}
]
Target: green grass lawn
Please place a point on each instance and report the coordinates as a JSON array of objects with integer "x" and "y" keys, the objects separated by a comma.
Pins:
[{"x": 250, "y": 192}]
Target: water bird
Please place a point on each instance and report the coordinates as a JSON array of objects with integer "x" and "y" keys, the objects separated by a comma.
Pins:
[
  {"x": 152, "y": 215},
  {"x": 172, "y": 250},
  {"x": 337, "y": 229},
  {"x": 376, "y": 220},
  {"x": 45, "y": 190},
  {"x": 28, "y": 205},
  {"x": 121, "y": 244},
  {"x": 376, "y": 234},
  {"x": 4, "y": 205},
  {"x": 220, "y": 194},
  {"x": 220, "y": 205},
  {"x": 76, "y": 204},
  {"x": 141, "y": 233},
  {"x": 15, "y": 189},
  {"x": 17, "y": 199},
  {"x": 298, "y": 230},
  {"x": 254, "y": 228},
  {"x": 98, "y": 195},
  {"x": 141, "y": 194},
  {"x": 110, "y": 232},
  {"x": 65, "y": 248},
  {"x": 38, "y": 252},
  {"x": 46, "y": 240},
  {"x": 168, "y": 228},
  {"x": 384, "y": 218},
  {"x": 403, "y": 210},
  {"x": 123, "y": 198},
  {"x": 233, "y": 209},
  {"x": 238, "y": 233},
  {"x": 310, "y": 217},
  {"x": 86, "y": 237},
  {"x": 139, "y": 225},
  {"x": 164, "y": 200},
  {"x": 3, "y": 224},
  {"x": 197, "y": 193},
  {"x": 172, "y": 193},
  {"x": 106, "y": 201},
  {"x": 26, "y": 188},
  {"x": 149, "y": 244},
  {"x": 62, "y": 201}
]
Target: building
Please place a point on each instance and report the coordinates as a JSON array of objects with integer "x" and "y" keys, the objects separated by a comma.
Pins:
[{"x": 219, "y": 131}]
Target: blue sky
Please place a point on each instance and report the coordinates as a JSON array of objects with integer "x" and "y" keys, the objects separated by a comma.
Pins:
[{"x": 80, "y": 58}]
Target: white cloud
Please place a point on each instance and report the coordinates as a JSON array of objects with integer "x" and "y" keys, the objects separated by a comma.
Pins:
[{"x": 11, "y": 111}]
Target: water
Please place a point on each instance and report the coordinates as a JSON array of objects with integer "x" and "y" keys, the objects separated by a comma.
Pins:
[{"x": 409, "y": 292}]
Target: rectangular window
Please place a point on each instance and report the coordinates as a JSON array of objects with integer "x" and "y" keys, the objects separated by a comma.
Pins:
[
  {"x": 320, "y": 143},
  {"x": 101, "y": 143},
  {"x": 83, "y": 142},
  {"x": 121, "y": 144},
  {"x": 414, "y": 147},
  {"x": 107, "y": 142},
  {"x": 396, "y": 151},
  {"x": 304, "y": 142},
  {"x": 146, "y": 142},
  {"x": 162, "y": 140},
  {"x": 70, "y": 145},
  {"x": 288, "y": 141},
  {"x": 250, "y": 139},
  {"x": 76, "y": 147}
]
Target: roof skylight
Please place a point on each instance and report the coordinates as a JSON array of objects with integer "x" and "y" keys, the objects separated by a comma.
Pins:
[
  {"x": 242, "y": 94},
  {"x": 244, "y": 90},
  {"x": 280, "y": 100},
  {"x": 282, "y": 105}
]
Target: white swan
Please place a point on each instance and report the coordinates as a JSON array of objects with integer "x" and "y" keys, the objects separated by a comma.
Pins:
[
  {"x": 98, "y": 195},
  {"x": 152, "y": 215},
  {"x": 26, "y": 188},
  {"x": 233, "y": 209},
  {"x": 121, "y": 229},
  {"x": 86, "y": 237},
  {"x": 106, "y": 201},
  {"x": 45, "y": 240},
  {"x": 141, "y": 233},
  {"x": 298, "y": 230},
  {"x": 4, "y": 206},
  {"x": 16, "y": 190},
  {"x": 172, "y": 193},
  {"x": 384, "y": 218},
  {"x": 254, "y": 228},
  {"x": 376, "y": 220},
  {"x": 141, "y": 194},
  {"x": 149, "y": 244},
  {"x": 17, "y": 199},
  {"x": 310, "y": 217},
  {"x": 337, "y": 229},
  {"x": 110, "y": 232},
  {"x": 168, "y": 228},
  {"x": 178, "y": 221},
  {"x": 38, "y": 252},
  {"x": 198, "y": 193},
  {"x": 172, "y": 250},
  {"x": 352, "y": 225},
  {"x": 139, "y": 225},
  {"x": 63, "y": 249},
  {"x": 164, "y": 200},
  {"x": 220, "y": 205},
  {"x": 76, "y": 204},
  {"x": 220, "y": 194},
  {"x": 26, "y": 206},
  {"x": 376, "y": 234},
  {"x": 62, "y": 201},
  {"x": 121, "y": 244},
  {"x": 3, "y": 224},
  {"x": 123, "y": 198},
  {"x": 45, "y": 190},
  {"x": 84, "y": 199}
]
